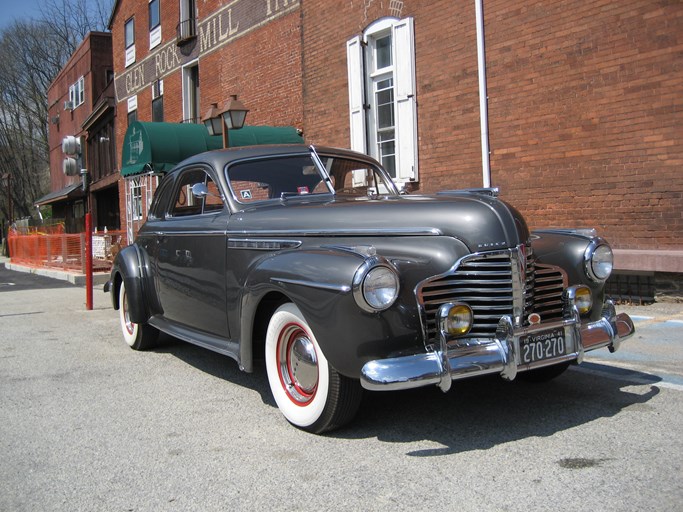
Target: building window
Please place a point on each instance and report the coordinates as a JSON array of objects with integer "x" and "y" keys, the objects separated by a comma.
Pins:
[
  {"x": 382, "y": 106},
  {"x": 77, "y": 93},
  {"x": 154, "y": 24},
  {"x": 187, "y": 28},
  {"x": 132, "y": 109},
  {"x": 136, "y": 198},
  {"x": 158, "y": 101},
  {"x": 130, "y": 41},
  {"x": 191, "y": 94},
  {"x": 132, "y": 117}
]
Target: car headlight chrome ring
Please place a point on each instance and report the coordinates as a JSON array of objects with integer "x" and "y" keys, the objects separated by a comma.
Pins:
[
  {"x": 598, "y": 260},
  {"x": 375, "y": 285}
]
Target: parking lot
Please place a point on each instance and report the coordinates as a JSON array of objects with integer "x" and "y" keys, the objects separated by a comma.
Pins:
[{"x": 88, "y": 424}]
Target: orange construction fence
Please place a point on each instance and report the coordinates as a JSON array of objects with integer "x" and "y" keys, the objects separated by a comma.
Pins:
[{"x": 38, "y": 248}]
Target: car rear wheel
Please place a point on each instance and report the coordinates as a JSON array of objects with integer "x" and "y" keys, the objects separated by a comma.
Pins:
[
  {"x": 138, "y": 336},
  {"x": 311, "y": 394}
]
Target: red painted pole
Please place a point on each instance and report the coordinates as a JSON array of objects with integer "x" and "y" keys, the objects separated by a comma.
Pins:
[{"x": 88, "y": 261}]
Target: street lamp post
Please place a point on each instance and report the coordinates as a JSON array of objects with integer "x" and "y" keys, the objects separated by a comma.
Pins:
[{"x": 230, "y": 117}]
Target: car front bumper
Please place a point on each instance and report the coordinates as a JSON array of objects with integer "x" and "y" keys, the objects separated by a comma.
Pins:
[{"x": 457, "y": 359}]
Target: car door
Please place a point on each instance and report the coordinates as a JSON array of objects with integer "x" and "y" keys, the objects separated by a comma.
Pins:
[{"x": 191, "y": 256}]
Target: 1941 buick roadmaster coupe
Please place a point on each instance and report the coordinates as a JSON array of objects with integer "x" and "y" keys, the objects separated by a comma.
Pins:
[{"x": 311, "y": 259}]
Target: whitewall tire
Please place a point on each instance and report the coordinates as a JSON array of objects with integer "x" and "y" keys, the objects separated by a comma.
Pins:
[
  {"x": 310, "y": 393},
  {"x": 138, "y": 337}
]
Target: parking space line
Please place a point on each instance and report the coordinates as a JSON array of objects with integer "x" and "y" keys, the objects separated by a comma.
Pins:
[{"x": 630, "y": 374}]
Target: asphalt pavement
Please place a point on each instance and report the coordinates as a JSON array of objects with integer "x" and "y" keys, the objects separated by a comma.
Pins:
[{"x": 88, "y": 424}]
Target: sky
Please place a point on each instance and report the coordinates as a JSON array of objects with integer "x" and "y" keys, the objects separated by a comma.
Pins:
[{"x": 11, "y": 10}]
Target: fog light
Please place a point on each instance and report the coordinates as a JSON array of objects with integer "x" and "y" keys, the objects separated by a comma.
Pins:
[
  {"x": 583, "y": 299},
  {"x": 455, "y": 319}
]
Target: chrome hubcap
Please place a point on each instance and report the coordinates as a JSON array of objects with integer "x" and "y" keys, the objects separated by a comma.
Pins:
[{"x": 298, "y": 364}]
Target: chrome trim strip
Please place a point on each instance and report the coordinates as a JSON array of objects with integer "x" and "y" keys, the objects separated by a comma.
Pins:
[
  {"x": 310, "y": 284},
  {"x": 189, "y": 233},
  {"x": 262, "y": 244},
  {"x": 423, "y": 231}
]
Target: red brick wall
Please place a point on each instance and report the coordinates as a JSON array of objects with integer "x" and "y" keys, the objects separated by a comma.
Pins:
[
  {"x": 586, "y": 108},
  {"x": 585, "y": 99},
  {"x": 89, "y": 60},
  {"x": 262, "y": 66},
  {"x": 585, "y": 105}
]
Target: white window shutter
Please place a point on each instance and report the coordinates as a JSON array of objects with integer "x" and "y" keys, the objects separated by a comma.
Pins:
[
  {"x": 354, "y": 62},
  {"x": 406, "y": 111}
]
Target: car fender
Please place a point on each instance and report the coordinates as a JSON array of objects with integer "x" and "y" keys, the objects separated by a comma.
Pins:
[
  {"x": 320, "y": 283},
  {"x": 566, "y": 249},
  {"x": 131, "y": 267}
]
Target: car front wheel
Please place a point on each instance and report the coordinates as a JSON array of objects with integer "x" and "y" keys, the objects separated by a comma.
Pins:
[
  {"x": 311, "y": 394},
  {"x": 138, "y": 337}
]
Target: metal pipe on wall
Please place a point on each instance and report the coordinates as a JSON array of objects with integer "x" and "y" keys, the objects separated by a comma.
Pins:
[{"x": 483, "y": 96}]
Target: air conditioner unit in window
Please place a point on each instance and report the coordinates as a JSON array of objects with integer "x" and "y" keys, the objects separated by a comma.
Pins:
[{"x": 68, "y": 105}]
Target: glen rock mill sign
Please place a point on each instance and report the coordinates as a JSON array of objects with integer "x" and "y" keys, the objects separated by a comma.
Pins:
[{"x": 228, "y": 23}]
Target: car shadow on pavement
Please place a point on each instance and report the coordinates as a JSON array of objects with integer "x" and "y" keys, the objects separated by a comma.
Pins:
[
  {"x": 476, "y": 414},
  {"x": 217, "y": 365}
]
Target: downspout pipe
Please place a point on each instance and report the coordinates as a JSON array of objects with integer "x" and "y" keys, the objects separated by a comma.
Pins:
[{"x": 483, "y": 96}]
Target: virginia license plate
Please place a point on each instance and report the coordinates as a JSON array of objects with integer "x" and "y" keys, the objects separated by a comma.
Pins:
[{"x": 542, "y": 345}]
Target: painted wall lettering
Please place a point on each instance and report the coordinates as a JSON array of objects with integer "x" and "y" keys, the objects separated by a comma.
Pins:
[
  {"x": 135, "y": 79},
  {"x": 166, "y": 60},
  {"x": 274, "y": 5},
  {"x": 215, "y": 30}
]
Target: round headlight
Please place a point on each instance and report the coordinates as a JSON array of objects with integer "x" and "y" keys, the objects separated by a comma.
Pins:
[
  {"x": 380, "y": 288},
  {"x": 601, "y": 262}
]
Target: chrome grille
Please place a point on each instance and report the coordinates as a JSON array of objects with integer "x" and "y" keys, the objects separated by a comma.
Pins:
[{"x": 486, "y": 283}]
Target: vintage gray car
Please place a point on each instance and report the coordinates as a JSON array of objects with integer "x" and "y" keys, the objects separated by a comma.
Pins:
[{"x": 310, "y": 259}]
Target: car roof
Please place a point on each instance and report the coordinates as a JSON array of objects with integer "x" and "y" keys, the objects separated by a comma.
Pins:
[{"x": 222, "y": 157}]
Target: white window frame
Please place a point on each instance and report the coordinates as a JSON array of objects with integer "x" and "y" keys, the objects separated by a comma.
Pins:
[
  {"x": 362, "y": 78},
  {"x": 155, "y": 31},
  {"x": 190, "y": 111},
  {"x": 77, "y": 93},
  {"x": 135, "y": 198},
  {"x": 130, "y": 45},
  {"x": 157, "y": 92}
]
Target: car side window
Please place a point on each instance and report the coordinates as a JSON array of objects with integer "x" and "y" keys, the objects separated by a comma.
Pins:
[
  {"x": 161, "y": 198},
  {"x": 185, "y": 203}
]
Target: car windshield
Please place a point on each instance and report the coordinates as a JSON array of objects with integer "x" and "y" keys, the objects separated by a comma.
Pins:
[{"x": 285, "y": 177}]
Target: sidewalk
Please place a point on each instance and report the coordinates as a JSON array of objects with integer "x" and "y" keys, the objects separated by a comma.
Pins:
[{"x": 78, "y": 279}]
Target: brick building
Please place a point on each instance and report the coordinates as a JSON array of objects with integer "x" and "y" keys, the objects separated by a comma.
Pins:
[
  {"x": 173, "y": 59},
  {"x": 81, "y": 105},
  {"x": 585, "y": 99}
]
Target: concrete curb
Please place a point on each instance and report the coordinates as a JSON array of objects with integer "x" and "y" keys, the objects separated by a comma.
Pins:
[{"x": 99, "y": 278}]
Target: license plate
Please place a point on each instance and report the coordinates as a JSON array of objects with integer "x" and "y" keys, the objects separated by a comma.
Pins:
[{"x": 542, "y": 345}]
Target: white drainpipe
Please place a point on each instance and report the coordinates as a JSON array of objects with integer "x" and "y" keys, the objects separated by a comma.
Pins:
[{"x": 483, "y": 107}]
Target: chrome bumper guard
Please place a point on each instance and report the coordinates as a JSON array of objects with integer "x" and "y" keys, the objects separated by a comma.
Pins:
[{"x": 459, "y": 359}]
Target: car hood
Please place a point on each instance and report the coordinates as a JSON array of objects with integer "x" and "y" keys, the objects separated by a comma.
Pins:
[{"x": 481, "y": 222}]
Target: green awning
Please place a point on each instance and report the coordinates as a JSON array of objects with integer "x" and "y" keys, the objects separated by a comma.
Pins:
[
  {"x": 158, "y": 147},
  {"x": 257, "y": 135}
]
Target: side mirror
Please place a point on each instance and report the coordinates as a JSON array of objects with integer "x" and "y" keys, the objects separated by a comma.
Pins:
[{"x": 199, "y": 190}]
